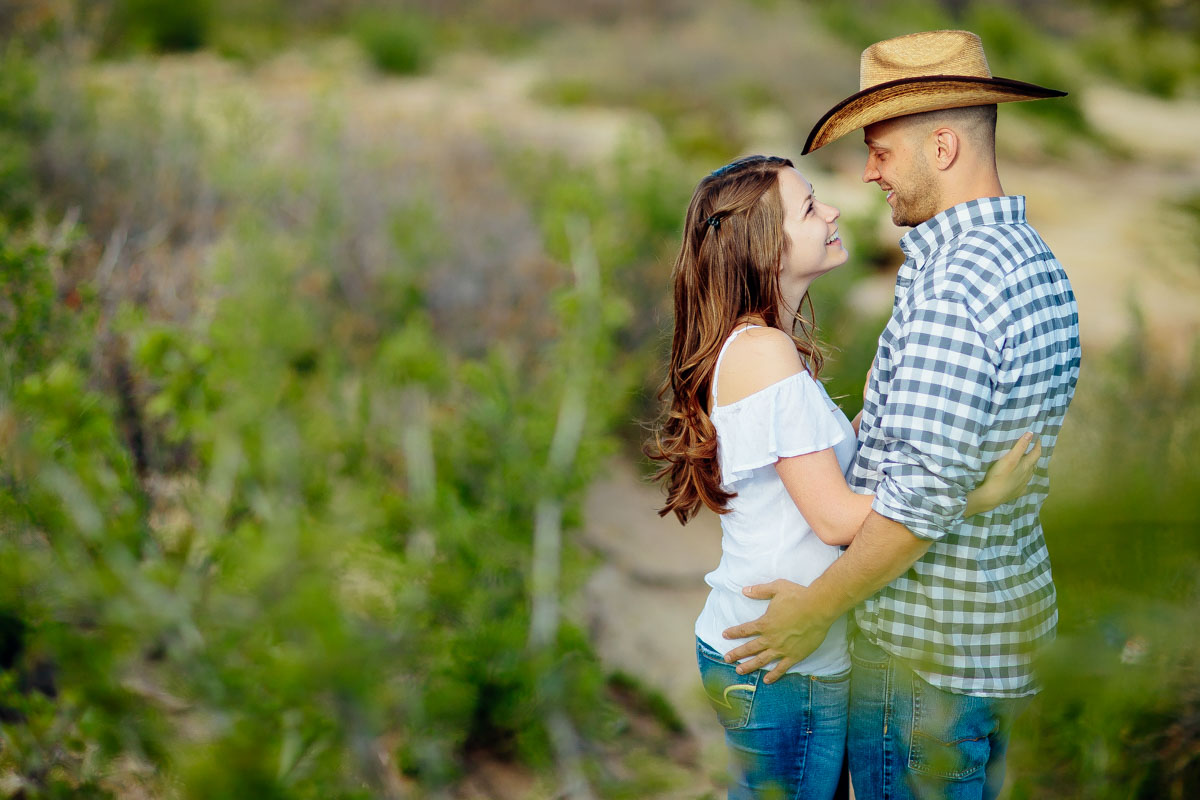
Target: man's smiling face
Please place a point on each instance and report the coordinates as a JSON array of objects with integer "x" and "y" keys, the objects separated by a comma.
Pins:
[{"x": 896, "y": 161}]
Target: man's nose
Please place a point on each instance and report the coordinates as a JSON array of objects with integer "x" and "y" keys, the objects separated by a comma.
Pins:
[{"x": 870, "y": 174}]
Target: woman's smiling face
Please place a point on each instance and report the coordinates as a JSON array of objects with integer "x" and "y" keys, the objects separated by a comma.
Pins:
[{"x": 814, "y": 245}]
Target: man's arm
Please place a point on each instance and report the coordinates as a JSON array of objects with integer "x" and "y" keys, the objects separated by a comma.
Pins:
[{"x": 798, "y": 617}]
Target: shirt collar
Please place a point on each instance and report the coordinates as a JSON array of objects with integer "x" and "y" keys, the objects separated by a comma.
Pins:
[{"x": 928, "y": 237}]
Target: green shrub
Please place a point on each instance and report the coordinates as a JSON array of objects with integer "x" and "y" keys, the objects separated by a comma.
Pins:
[
  {"x": 22, "y": 121},
  {"x": 306, "y": 595},
  {"x": 1161, "y": 62},
  {"x": 160, "y": 26},
  {"x": 73, "y": 525},
  {"x": 398, "y": 43}
]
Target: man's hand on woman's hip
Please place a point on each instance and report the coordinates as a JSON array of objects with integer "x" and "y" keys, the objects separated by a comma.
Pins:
[
  {"x": 791, "y": 629},
  {"x": 798, "y": 617}
]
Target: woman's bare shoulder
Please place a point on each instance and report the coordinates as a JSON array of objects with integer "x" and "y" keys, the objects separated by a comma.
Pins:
[{"x": 756, "y": 359}]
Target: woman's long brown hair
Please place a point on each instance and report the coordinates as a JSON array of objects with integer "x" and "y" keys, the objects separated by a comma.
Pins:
[{"x": 726, "y": 273}]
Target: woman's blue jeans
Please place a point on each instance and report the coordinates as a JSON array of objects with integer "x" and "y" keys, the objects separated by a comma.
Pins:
[
  {"x": 786, "y": 739},
  {"x": 912, "y": 741}
]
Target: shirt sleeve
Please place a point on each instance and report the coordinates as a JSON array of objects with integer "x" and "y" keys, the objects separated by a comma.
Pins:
[
  {"x": 941, "y": 377},
  {"x": 790, "y": 418}
]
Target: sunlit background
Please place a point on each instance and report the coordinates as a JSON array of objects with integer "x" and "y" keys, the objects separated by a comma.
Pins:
[{"x": 331, "y": 330}]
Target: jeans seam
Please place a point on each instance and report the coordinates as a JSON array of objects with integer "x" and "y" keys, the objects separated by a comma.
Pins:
[
  {"x": 888, "y": 705},
  {"x": 913, "y": 753},
  {"x": 808, "y": 734}
]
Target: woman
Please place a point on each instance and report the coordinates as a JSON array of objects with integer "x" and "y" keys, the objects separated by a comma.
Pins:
[{"x": 751, "y": 433}]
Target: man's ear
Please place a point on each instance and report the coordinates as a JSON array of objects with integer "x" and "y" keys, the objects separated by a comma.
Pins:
[{"x": 945, "y": 147}]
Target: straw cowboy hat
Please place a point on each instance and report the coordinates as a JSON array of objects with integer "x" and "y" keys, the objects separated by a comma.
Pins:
[{"x": 920, "y": 72}]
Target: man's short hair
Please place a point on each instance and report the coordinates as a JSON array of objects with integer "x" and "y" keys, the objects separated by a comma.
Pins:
[{"x": 978, "y": 123}]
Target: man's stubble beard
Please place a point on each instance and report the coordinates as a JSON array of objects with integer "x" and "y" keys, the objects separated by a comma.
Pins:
[{"x": 920, "y": 199}]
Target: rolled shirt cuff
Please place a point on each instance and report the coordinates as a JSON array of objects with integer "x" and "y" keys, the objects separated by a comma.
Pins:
[{"x": 927, "y": 517}]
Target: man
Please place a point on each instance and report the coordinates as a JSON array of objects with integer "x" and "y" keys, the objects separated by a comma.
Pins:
[{"x": 982, "y": 345}]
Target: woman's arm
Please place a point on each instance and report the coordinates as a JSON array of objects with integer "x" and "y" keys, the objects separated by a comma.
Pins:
[
  {"x": 835, "y": 512},
  {"x": 818, "y": 488}
]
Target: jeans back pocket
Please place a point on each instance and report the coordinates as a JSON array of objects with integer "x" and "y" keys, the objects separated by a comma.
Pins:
[
  {"x": 950, "y": 738},
  {"x": 731, "y": 695}
]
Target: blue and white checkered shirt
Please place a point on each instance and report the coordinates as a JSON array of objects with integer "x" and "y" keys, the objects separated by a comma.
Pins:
[{"x": 982, "y": 345}]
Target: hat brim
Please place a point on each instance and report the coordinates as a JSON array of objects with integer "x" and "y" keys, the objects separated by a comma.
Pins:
[{"x": 916, "y": 95}]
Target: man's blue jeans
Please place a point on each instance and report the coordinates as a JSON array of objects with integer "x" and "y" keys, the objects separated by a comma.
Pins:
[
  {"x": 908, "y": 739},
  {"x": 786, "y": 739}
]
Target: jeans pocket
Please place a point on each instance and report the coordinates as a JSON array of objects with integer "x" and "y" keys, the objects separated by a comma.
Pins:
[
  {"x": 731, "y": 695},
  {"x": 865, "y": 653},
  {"x": 950, "y": 738},
  {"x": 841, "y": 677}
]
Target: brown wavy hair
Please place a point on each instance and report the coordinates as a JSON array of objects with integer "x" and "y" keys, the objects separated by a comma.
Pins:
[{"x": 726, "y": 274}]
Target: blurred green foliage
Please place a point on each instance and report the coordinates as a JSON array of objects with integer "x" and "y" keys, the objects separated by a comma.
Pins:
[
  {"x": 1120, "y": 716},
  {"x": 1189, "y": 207},
  {"x": 160, "y": 26},
  {"x": 1160, "y": 61},
  {"x": 396, "y": 42},
  {"x": 1155, "y": 14},
  {"x": 22, "y": 120},
  {"x": 318, "y": 585}
]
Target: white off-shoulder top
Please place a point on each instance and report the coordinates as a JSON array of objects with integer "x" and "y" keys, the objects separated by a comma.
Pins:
[{"x": 764, "y": 536}]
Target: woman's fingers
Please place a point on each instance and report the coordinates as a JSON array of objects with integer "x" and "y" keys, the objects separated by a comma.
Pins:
[
  {"x": 1029, "y": 461},
  {"x": 1033, "y": 457},
  {"x": 1024, "y": 471},
  {"x": 1012, "y": 460}
]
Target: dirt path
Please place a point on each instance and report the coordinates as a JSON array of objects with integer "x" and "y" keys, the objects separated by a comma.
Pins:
[{"x": 643, "y": 600}]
